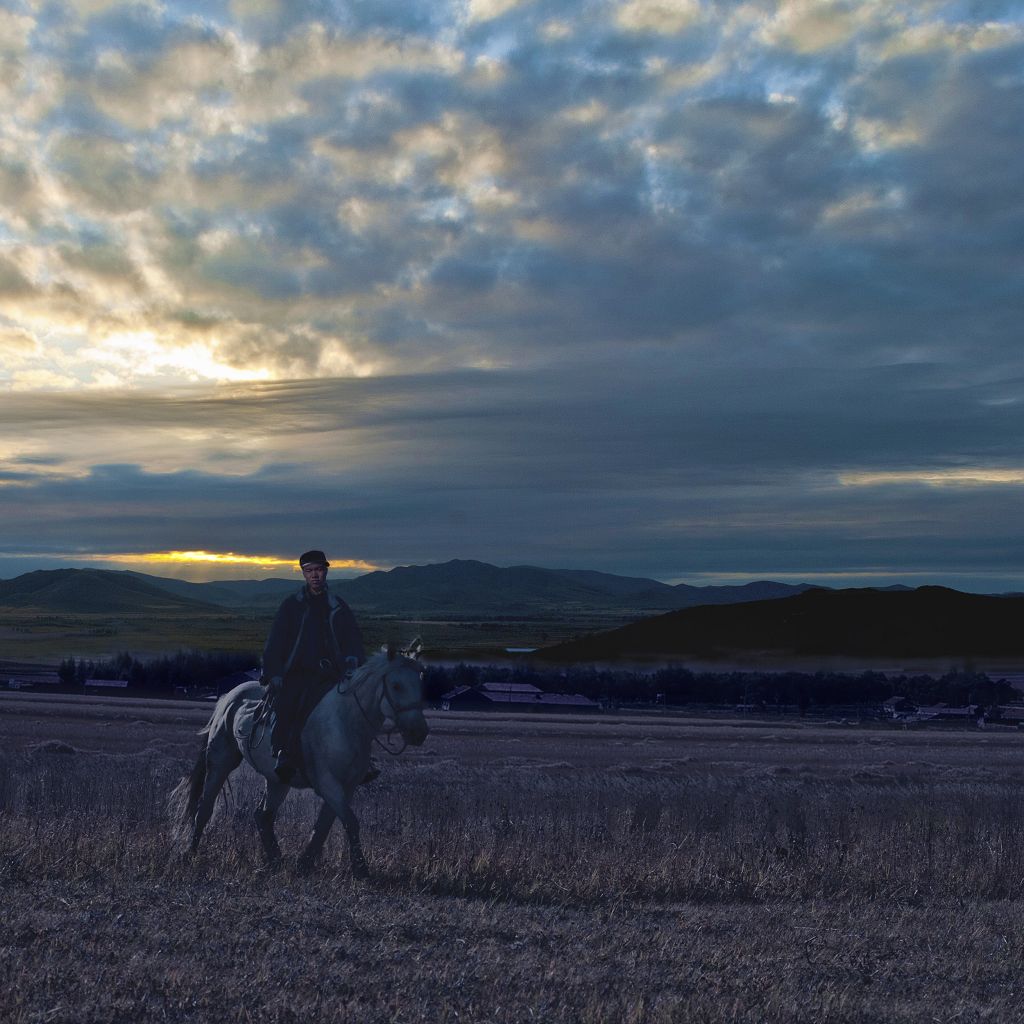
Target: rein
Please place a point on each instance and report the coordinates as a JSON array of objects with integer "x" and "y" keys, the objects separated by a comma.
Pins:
[{"x": 261, "y": 722}]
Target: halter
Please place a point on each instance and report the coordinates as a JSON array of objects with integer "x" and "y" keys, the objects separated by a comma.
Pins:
[{"x": 416, "y": 705}]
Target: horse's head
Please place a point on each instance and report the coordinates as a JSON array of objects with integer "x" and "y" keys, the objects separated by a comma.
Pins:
[{"x": 402, "y": 699}]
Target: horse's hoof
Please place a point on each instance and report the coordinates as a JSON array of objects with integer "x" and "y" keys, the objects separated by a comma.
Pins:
[{"x": 360, "y": 870}]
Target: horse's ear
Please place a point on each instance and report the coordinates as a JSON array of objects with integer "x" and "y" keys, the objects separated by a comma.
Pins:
[
  {"x": 392, "y": 650},
  {"x": 415, "y": 649}
]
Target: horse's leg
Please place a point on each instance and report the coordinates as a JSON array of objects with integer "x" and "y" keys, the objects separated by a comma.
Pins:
[
  {"x": 264, "y": 816},
  {"x": 337, "y": 799},
  {"x": 222, "y": 758},
  {"x": 311, "y": 854}
]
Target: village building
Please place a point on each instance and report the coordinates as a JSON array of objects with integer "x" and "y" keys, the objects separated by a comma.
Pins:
[
  {"x": 514, "y": 697},
  {"x": 895, "y": 707},
  {"x": 105, "y": 684}
]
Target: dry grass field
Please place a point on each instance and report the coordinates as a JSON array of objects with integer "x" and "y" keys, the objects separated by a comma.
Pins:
[
  {"x": 32, "y": 635},
  {"x": 526, "y": 869},
  {"x": 29, "y": 635}
]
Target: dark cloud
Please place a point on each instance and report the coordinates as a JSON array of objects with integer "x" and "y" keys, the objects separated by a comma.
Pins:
[
  {"x": 715, "y": 267},
  {"x": 672, "y": 472},
  {"x": 13, "y": 281},
  {"x": 958, "y": 175}
]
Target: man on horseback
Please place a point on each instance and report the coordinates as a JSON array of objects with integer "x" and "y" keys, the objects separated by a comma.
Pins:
[{"x": 313, "y": 644}]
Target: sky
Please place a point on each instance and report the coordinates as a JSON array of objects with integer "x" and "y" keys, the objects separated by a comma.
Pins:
[{"x": 706, "y": 292}]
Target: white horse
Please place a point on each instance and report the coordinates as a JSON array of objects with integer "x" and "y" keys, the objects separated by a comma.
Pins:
[{"x": 335, "y": 744}]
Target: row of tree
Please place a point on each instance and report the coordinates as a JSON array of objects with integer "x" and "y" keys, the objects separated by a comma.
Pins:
[
  {"x": 680, "y": 686},
  {"x": 186, "y": 668},
  {"x": 672, "y": 685}
]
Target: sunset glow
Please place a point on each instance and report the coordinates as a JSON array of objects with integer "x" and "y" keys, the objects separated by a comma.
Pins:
[{"x": 226, "y": 558}]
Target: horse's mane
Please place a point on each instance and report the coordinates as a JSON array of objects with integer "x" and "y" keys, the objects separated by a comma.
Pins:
[
  {"x": 370, "y": 665},
  {"x": 375, "y": 662}
]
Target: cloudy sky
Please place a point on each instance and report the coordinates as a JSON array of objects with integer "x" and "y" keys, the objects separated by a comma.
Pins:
[{"x": 707, "y": 292}]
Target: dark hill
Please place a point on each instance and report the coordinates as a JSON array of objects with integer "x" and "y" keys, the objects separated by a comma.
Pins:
[
  {"x": 91, "y": 590},
  {"x": 687, "y": 596},
  {"x": 926, "y": 622}
]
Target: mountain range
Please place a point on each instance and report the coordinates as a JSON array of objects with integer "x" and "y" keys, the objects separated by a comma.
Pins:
[
  {"x": 459, "y": 587},
  {"x": 667, "y": 621},
  {"x": 464, "y": 585}
]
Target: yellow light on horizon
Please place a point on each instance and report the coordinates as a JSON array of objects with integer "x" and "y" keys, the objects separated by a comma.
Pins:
[
  {"x": 215, "y": 557},
  {"x": 223, "y": 558}
]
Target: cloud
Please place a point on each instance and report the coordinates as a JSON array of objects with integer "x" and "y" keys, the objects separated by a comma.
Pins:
[
  {"x": 660, "y": 16},
  {"x": 974, "y": 476},
  {"x": 15, "y": 341},
  {"x": 13, "y": 282},
  {"x": 718, "y": 467},
  {"x": 662, "y": 275},
  {"x": 812, "y": 26}
]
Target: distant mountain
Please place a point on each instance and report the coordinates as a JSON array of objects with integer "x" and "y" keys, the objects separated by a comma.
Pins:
[
  {"x": 92, "y": 590},
  {"x": 926, "y": 622},
  {"x": 470, "y": 587},
  {"x": 686, "y": 596},
  {"x": 255, "y": 594}
]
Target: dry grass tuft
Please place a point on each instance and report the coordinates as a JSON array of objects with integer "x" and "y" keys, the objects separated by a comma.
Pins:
[
  {"x": 539, "y": 836},
  {"x": 513, "y": 893}
]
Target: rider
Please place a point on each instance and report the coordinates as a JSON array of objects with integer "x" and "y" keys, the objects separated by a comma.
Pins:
[{"x": 314, "y": 641}]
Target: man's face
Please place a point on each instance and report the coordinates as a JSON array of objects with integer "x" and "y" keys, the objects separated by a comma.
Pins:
[{"x": 316, "y": 577}]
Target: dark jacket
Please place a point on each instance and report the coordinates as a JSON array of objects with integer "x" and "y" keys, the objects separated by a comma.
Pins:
[{"x": 286, "y": 642}]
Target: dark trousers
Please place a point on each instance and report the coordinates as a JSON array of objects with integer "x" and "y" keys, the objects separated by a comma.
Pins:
[{"x": 292, "y": 705}]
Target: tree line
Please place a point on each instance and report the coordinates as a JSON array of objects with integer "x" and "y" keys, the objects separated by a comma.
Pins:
[
  {"x": 680, "y": 686},
  {"x": 674, "y": 685},
  {"x": 185, "y": 668}
]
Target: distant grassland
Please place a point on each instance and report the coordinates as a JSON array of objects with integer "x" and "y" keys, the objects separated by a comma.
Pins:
[
  {"x": 570, "y": 870},
  {"x": 26, "y": 635},
  {"x": 31, "y": 636}
]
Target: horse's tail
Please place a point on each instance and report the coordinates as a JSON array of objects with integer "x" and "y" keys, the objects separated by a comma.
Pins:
[
  {"x": 184, "y": 799},
  {"x": 218, "y": 747}
]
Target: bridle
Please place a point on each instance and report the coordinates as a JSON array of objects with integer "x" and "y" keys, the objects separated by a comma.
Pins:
[
  {"x": 385, "y": 696},
  {"x": 397, "y": 709}
]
